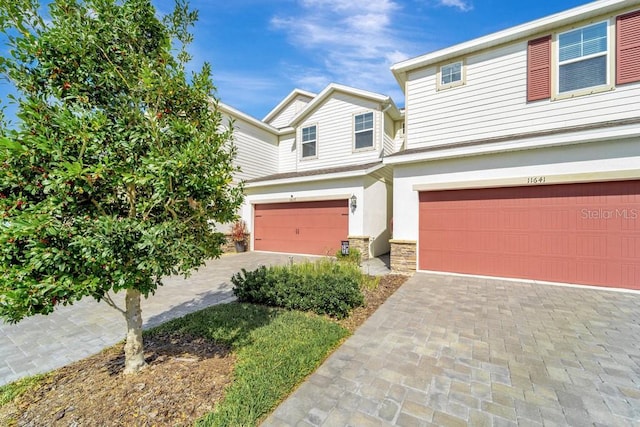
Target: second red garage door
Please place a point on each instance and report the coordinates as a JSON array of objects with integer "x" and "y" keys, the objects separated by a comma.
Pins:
[
  {"x": 573, "y": 233},
  {"x": 315, "y": 228}
]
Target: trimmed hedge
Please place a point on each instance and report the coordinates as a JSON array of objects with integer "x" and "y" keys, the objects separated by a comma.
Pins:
[{"x": 324, "y": 287}]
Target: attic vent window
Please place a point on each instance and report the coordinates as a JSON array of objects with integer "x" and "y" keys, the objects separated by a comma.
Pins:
[{"x": 451, "y": 73}]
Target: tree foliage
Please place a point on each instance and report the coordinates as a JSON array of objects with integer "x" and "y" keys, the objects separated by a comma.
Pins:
[{"x": 119, "y": 162}]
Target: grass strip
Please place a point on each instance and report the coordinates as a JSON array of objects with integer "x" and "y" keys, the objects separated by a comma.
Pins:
[
  {"x": 276, "y": 349},
  {"x": 13, "y": 390}
]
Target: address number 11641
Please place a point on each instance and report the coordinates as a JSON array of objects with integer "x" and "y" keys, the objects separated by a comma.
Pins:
[{"x": 536, "y": 180}]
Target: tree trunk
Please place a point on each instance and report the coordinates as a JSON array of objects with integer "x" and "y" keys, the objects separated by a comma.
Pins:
[{"x": 133, "y": 348}]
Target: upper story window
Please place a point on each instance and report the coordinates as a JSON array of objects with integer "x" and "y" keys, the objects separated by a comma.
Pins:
[
  {"x": 583, "y": 58},
  {"x": 451, "y": 75},
  {"x": 363, "y": 126},
  {"x": 309, "y": 141}
]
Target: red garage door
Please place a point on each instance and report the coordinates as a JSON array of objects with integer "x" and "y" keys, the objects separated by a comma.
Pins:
[
  {"x": 573, "y": 233},
  {"x": 301, "y": 227}
]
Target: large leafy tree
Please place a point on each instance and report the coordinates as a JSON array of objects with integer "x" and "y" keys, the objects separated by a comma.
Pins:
[{"x": 118, "y": 163}]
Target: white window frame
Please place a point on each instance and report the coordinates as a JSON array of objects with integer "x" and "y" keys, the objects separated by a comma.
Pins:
[
  {"x": 441, "y": 85},
  {"x": 373, "y": 131},
  {"x": 609, "y": 54},
  {"x": 303, "y": 142}
]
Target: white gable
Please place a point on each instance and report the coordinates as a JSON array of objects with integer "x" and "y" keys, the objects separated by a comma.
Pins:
[{"x": 289, "y": 107}]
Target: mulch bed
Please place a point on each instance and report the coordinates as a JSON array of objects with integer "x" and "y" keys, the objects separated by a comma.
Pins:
[{"x": 184, "y": 379}]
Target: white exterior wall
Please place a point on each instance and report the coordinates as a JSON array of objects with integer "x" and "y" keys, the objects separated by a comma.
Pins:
[
  {"x": 283, "y": 118},
  {"x": 596, "y": 161},
  {"x": 377, "y": 214},
  {"x": 335, "y": 133},
  {"x": 287, "y": 153},
  {"x": 388, "y": 136},
  {"x": 309, "y": 191},
  {"x": 492, "y": 102},
  {"x": 257, "y": 150},
  {"x": 398, "y": 140}
]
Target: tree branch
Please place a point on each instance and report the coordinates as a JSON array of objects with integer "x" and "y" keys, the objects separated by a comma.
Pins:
[
  {"x": 107, "y": 298},
  {"x": 97, "y": 205},
  {"x": 131, "y": 195},
  {"x": 114, "y": 66}
]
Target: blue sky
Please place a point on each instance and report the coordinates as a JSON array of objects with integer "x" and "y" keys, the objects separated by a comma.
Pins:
[{"x": 260, "y": 50}]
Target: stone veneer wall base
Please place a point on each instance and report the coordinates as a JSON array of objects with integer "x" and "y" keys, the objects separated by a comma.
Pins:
[
  {"x": 360, "y": 243},
  {"x": 403, "y": 256}
]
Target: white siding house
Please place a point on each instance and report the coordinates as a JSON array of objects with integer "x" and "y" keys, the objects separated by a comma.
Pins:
[
  {"x": 514, "y": 141},
  {"x": 314, "y": 172},
  {"x": 257, "y": 144},
  {"x": 517, "y": 155},
  {"x": 291, "y": 105}
]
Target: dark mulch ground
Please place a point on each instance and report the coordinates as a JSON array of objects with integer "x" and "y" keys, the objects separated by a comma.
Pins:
[{"x": 185, "y": 378}]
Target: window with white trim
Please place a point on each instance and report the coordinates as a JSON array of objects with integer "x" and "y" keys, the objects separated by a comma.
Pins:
[
  {"x": 363, "y": 127},
  {"x": 451, "y": 74},
  {"x": 309, "y": 141},
  {"x": 583, "y": 58}
]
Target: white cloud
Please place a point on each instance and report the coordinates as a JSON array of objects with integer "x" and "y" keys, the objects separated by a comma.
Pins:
[
  {"x": 460, "y": 4},
  {"x": 350, "y": 42}
]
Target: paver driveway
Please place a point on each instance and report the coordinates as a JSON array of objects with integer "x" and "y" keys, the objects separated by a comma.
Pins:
[
  {"x": 449, "y": 351},
  {"x": 42, "y": 343}
]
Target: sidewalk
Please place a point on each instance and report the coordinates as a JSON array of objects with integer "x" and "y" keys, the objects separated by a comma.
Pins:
[{"x": 41, "y": 343}]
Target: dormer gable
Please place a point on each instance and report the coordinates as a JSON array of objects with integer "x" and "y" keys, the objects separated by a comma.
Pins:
[
  {"x": 335, "y": 88},
  {"x": 281, "y": 115}
]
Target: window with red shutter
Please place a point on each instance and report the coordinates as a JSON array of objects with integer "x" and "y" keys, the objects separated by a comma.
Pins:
[
  {"x": 539, "y": 69},
  {"x": 628, "y": 48}
]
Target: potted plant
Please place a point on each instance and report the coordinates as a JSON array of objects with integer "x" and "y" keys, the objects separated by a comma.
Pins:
[{"x": 239, "y": 234}]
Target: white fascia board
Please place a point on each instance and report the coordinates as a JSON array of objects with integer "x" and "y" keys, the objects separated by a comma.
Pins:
[
  {"x": 548, "y": 23},
  {"x": 603, "y": 134},
  {"x": 314, "y": 178},
  {"x": 286, "y": 131},
  {"x": 233, "y": 112},
  {"x": 335, "y": 87},
  {"x": 286, "y": 101},
  {"x": 394, "y": 112}
]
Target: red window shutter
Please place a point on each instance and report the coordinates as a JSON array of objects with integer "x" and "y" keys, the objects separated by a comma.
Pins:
[
  {"x": 628, "y": 48},
  {"x": 539, "y": 69}
]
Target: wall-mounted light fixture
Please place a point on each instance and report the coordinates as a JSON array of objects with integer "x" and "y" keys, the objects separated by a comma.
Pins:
[{"x": 354, "y": 203}]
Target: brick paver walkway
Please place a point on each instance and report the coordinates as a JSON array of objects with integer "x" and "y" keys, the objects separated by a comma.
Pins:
[
  {"x": 42, "y": 343},
  {"x": 452, "y": 351}
]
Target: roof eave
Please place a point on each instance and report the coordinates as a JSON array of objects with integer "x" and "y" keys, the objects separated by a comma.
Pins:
[
  {"x": 314, "y": 178},
  {"x": 527, "y": 142},
  {"x": 233, "y": 112},
  {"x": 335, "y": 87},
  {"x": 548, "y": 23}
]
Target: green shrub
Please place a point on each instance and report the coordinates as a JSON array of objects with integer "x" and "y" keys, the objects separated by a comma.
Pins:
[
  {"x": 354, "y": 257},
  {"x": 324, "y": 287}
]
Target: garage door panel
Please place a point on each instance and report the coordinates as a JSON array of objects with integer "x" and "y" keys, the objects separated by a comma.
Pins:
[
  {"x": 315, "y": 228},
  {"x": 580, "y": 233}
]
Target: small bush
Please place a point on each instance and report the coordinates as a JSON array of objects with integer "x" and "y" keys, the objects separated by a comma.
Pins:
[
  {"x": 354, "y": 257},
  {"x": 323, "y": 287}
]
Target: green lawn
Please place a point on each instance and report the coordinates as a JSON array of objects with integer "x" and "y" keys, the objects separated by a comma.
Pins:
[
  {"x": 275, "y": 350},
  {"x": 8, "y": 392}
]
